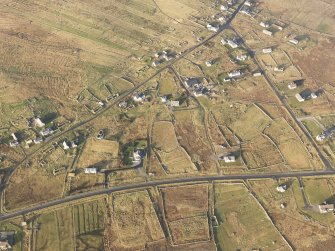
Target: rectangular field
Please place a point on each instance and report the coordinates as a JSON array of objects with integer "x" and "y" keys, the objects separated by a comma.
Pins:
[
  {"x": 173, "y": 156},
  {"x": 243, "y": 225},
  {"x": 134, "y": 221}
]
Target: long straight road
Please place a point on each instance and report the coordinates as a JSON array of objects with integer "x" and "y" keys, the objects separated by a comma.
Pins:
[{"x": 176, "y": 181}]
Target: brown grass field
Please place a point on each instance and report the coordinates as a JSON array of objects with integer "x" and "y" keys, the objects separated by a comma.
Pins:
[
  {"x": 33, "y": 185},
  {"x": 251, "y": 124},
  {"x": 261, "y": 152},
  {"x": 291, "y": 220},
  {"x": 192, "y": 136},
  {"x": 173, "y": 156},
  {"x": 188, "y": 230},
  {"x": 192, "y": 200},
  {"x": 242, "y": 222},
  {"x": 99, "y": 152},
  {"x": 186, "y": 214},
  {"x": 293, "y": 150},
  {"x": 134, "y": 221}
]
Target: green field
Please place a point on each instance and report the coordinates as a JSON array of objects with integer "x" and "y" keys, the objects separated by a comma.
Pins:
[
  {"x": 89, "y": 225},
  {"x": 56, "y": 231},
  {"x": 240, "y": 218},
  {"x": 317, "y": 190},
  {"x": 312, "y": 127},
  {"x": 80, "y": 227}
]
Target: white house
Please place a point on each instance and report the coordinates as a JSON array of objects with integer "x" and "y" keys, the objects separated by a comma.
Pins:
[
  {"x": 267, "y": 50},
  {"x": 292, "y": 86},
  {"x": 36, "y": 122},
  {"x": 91, "y": 170},
  {"x": 279, "y": 69},
  {"x": 248, "y": 3},
  {"x": 299, "y": 97},
  {"x": 14, "y": 143},
  {"x": 294, "y": 41},
  {"x": 326, "y": 208},
  {"x": 321, "y": 137},
  {"x": 267, "y": 32},
  {"x": 281, "y": 188},
  {"x": 174, "y": 103},
  {"x": 231, "y": 43},
  {"x": 213, "y": 27},
  {"x": 38, "y": 140},
  {"x": 234, "y": 74},
  {"x": 209, "y": 63},
  {"x": 164, "y": 99},
  {"x": 229, "y": 159},
  {"x": 264, "y": 24},
  {"x": 65, "y": 145},
  {"x": 139, "y": 98},
  {"x": 242, "y": 57},
  {"x": 46, "y": 132},
  {"x": 223, "y": 7}
]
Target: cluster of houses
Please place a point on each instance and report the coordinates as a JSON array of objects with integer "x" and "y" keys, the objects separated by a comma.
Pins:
[
  {"x": 269, "y": 28},
  {"x": 163, "y": 56},
  {"x": 306, "y": 95},
  {"x": 39, "y": 127},
  {"x": 221, "y": 18},
  {"x": 199, "y": 86}
]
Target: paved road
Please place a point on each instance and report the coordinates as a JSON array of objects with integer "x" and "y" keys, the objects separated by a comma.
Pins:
[
  {"x": 176, "y": 181},
  {"x": 130, "y": 91},
  {"x": 114, "y": 103}
]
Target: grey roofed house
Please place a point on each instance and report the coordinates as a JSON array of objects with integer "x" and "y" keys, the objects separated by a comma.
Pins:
[
  {"x": 46, "y": 132},
  {"x": 190, "y": 82},
  {"x": 299, "y": 97}
]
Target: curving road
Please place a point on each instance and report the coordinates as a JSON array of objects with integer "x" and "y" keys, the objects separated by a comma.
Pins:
[{"x": 175, "y": 181}]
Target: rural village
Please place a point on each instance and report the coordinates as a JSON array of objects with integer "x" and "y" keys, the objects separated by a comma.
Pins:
[{"x": 194, "y": 125}]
